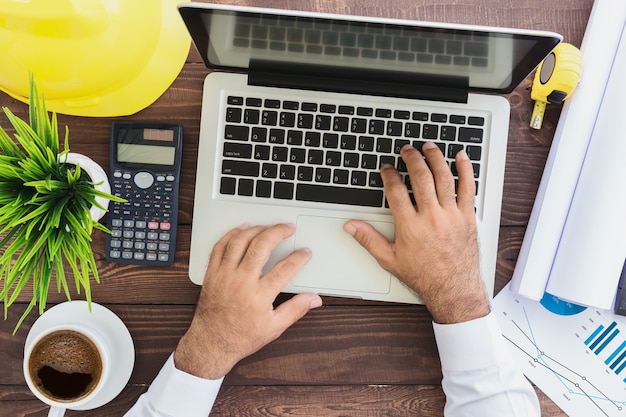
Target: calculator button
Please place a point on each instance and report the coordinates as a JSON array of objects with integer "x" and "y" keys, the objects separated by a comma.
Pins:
[
  {"x": 139, "y": 224},
  {"x": 127, "y": 244},
  {"x": 165, "y": 226},
  {"x": 116, "y": 243},
  {"x": 151, "y": 246},
  {"x": 170, "y": 178},
  {"x": 129, "y": 234},
  {"x": 164, "y": 236},
  {"x": 129, "y": 223},
  {"x": 164, "y": 257},
  {"x": 140, "y": 235},
  {"x": 160, "y": 178},
  {"x": 139, "y": 256},
  {"x": 143, "y": 180},
  {"x": 127, "y": 255},
  {"x": 153, "y": 225},
  {"x": 116, "y": 233},
  {"x": 114, "y": 254},
  {"x": 126, "y": 176},
  {"x": 151, "y": 257},
  {"x": 153, "y": 236},
  {"x": 164, "y": 247},
  {"x": 116, "y": 222},
  {"x": 140, "y": 245}
]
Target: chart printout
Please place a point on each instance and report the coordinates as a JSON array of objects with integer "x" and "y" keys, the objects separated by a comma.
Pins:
[{"x": 574, "y": 354}]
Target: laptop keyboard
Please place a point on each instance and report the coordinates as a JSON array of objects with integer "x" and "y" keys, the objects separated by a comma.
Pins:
[{"x": 318, "y": 152}]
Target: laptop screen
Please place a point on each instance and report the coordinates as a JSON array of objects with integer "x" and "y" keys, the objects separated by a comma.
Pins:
[{"x": 487, "y": 59}]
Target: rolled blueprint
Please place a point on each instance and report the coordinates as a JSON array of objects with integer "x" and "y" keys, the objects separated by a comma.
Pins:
[{"x": 567, "y": 155}]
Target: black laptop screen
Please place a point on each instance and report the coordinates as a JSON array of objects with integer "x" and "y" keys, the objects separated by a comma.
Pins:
[{"x": 490, "y": 59}]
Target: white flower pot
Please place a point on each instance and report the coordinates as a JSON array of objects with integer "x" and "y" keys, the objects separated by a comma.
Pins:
[{"x": 98, "y": 177}]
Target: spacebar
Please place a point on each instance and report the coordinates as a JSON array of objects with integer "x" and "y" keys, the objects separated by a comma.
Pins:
[{"x": 339, "y": 195}]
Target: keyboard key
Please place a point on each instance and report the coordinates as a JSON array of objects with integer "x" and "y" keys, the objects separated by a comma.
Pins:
[
  {"x": 305, "y": 173},
  {"x": 254, "y": 102},
  {"x": 330, "y": 140},
  {"x": 244, "y": 168},
  {"x": 269, "y": 118},
  {"x": 476, "y": 121},
  {"x": 346, "y": 110},
  {"x": 322, "y": 122},
  {"x": 309, "y": 107},
  {"x": 251, "y": 116},
  {"x": 366, "y": 143},
  {"x": 235, "y": 100},
  {"x": 322, "y": 175},
  {"x": 359, "y": 178},
  {"x": 237, "y": 150},
  {"x": 305, "y": 121},
  {"x": 365, "y": 111},
  {"x": 246, "y": 187},
  {"x": 228, "y": 185},
  {"x": 340, "y": 176},
  {"x": 263, "y": 189},
  {"x": 333, "y": 158},
  {"x": 386, "y": 113},
  {"x": 259, "y": 134},
  {"x": 448, "y": 133},
  {"x": 233, "y": 114},
  {"x": 339, "y": 195},
  {"x": 269, "y": 171},
  {"x": 348, "y": 142},
  {"x": 470, "y": 134},
  {"x": 236, "y": 132},
  {"x": 376, "y": 127},
  {"x": 358, "y": 125},
  {"x": 430, "y": 131},
  {"x": 341, "y": 124},
  {"x": 384, "y": 145},
  {"x": 313, "y": 139}
]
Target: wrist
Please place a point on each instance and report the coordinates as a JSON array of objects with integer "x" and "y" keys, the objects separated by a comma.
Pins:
[
  {"x": 204, "y": 363},
  {"x": 459, "y": 310}
]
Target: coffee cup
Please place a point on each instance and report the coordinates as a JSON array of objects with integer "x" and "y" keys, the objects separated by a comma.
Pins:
[{"x": 67, "y": 365}]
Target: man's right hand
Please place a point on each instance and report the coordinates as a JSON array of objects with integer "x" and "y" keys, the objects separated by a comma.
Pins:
[{"x": 436, "y": 250}]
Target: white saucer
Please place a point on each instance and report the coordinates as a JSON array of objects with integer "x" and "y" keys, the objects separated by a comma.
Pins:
[{"x": 112, "y": 329}]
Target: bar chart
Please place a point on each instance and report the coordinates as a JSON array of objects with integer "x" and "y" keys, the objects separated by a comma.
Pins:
[
  {"x": 600, "y": 339},
  {"x": 577, "y": 356}
]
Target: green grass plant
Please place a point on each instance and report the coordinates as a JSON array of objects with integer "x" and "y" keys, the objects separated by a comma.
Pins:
[{"x": 45, "y": 222}]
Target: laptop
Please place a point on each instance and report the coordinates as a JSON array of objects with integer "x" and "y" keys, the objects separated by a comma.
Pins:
[{"x": 300, "y": 109}]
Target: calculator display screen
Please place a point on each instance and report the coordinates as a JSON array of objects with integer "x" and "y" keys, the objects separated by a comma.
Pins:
[
  {"x": 146, "y": 154},
  {"x": 146, "y": 146}
]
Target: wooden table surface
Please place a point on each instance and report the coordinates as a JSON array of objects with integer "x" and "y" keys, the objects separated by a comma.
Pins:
[{"x": 348, "y": 358}]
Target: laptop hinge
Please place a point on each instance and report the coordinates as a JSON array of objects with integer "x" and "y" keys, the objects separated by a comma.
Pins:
[{"x": 358, "y": 81}]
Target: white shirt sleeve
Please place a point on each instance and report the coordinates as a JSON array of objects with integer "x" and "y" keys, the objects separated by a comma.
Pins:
[
  {"x": 480, "y": 377},
  {"x": 175, "y": 393}
]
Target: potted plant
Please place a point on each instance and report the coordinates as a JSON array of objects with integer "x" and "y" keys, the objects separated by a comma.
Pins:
[{"x": 49, "y": 206}]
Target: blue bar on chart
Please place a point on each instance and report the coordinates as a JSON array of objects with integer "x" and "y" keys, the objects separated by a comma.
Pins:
[
  {"x": 604, "y": 339},
  {"x": 600, "y": 338}
]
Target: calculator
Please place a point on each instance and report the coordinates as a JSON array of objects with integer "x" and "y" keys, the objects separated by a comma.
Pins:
[{"x": 145, "y": 171}]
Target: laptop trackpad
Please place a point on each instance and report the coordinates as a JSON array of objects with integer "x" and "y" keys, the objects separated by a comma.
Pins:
[{"x": 339, "y": 262}]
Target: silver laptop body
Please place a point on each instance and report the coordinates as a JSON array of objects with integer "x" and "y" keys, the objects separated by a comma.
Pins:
[{"x": 301, "y": 109}]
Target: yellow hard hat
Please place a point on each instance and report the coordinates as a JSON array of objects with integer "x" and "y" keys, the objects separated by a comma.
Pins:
[{"x": 91, "y": 57}]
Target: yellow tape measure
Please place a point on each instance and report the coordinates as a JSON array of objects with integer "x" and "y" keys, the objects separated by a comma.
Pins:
[{"x": 555, "y": 79}]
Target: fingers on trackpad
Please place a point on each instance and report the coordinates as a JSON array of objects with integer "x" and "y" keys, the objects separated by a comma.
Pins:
[{"x": 339, "y": 263}]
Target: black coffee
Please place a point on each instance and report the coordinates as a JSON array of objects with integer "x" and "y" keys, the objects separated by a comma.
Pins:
[{"x": 65, "y": 365}]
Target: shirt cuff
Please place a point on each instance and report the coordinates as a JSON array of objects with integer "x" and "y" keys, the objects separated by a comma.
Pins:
[
  {"x": 177, "y": 393},
  {"x": 464, "y": 346}
]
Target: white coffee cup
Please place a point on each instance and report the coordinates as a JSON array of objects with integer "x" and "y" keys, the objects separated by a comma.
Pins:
[{"x": 46, "y": 384}]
